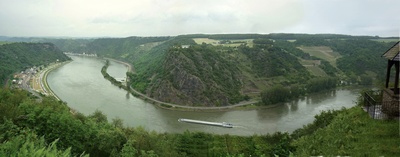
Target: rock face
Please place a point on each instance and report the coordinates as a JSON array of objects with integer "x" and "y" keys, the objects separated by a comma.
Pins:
[{"x": 196, "y": 77}]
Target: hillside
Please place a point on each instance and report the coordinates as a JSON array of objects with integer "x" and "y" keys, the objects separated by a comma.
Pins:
[
  {"x": 15, "y": 57},
  {"x": 218, "y": 70},
  {"x": 348, "y": 132},
  {"x": 198, "y": 75},
  {"x": 214, "y": 75}
]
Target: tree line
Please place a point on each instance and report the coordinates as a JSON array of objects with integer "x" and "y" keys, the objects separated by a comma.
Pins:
[
  {"x": 279, "y": 93},
  {"x": 49, "y": 128},
  {"x": 109, "y": 77}
]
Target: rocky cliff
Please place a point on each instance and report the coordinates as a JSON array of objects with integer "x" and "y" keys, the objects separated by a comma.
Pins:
[{"x": 197, "y": 76}]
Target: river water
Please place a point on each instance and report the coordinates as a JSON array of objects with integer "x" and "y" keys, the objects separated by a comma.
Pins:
[{"x": 81, "y": 84}]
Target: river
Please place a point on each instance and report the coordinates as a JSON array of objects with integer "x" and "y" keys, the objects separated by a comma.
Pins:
[{"x": 81, "y": 84}]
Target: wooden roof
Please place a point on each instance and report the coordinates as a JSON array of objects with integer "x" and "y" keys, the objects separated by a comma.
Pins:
[{"x": 393, "y": 53}]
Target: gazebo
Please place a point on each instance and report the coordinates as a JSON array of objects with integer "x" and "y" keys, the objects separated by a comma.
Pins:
[
  {"x": 393, "y": 57},
  {"x": 386, "y": 103},
  {"x": 391, "y": 94}
]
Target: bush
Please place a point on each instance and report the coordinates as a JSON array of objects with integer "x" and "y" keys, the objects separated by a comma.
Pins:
[{"x": 274, "y": 95}]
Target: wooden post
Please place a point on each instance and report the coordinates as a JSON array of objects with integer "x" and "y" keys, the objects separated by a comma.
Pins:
[
  {"x": 388, "y": 73},
  {"x": 396, "y": 79}
]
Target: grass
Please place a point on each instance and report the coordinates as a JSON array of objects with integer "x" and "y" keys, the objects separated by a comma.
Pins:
[
  {"x": 4, "y": 42},
  {"x": 315, "y": 70},
  {"x": 312, "y": 66},
  {"x": 352, "y": 133},
  {"x": 205, "y": 40},
  {"x": 322, "y": 52},
  {"x": 235, "y": 43},
  {"x": 386, "y": 40}
]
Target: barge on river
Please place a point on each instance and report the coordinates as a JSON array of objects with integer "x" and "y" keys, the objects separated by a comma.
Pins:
[{"x": 223, "y": 124}]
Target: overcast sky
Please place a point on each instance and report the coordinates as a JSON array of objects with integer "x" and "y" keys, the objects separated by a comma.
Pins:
[{"x": 122, "y": 18}]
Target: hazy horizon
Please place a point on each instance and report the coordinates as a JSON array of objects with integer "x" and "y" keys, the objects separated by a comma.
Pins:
[{"x": 124, "y": 18}]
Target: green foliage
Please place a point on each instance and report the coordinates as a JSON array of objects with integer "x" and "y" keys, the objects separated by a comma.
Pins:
[
  {"x": 116, "y": 47},
  {"x": 284, "y": 147},
  {"x": 351, "y": 133},
  {"x": 320, "y": 84},
  {"x": 110, "y": 78},
  {"x": 50, "y": 129},
  {"x": 98, "y": 117},
  {"x": 9, "y": 102},
  {"x": 328, "y": 68},
  {"x": 358, "y": 54},
  {"x": 218, "y": 76},
  {"x": 15, "y": 57},
  {"x": 274, "y": 95},
  {"x": 150, "y": 63},
  {"x": 54, "y": 121},
  {"x": 129, "y": 150},
  {"x": 70, "y": 45},
  {"x": 273, "y": 61},
  {"x": 321, "y": 121},
  {"x": 30, "y": 145},
  {"x": 292, "y": 49},
  {"x": 262, "y": 43},
  {"x": 278, "y": 93},
  {"x": 365, "y": 80},
  {"x": 200, "y": 74}
]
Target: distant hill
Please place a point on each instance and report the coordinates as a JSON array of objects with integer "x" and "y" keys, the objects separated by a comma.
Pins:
[{"x": 15, "y": 57}]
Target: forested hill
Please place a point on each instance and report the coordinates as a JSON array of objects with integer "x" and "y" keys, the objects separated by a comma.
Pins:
[
  {"x": 15, "y": 57},
  {"x": 218, "y": 70},
  {"x": 200, "y": 74}
]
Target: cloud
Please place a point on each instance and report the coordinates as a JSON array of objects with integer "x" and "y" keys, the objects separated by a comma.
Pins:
[{"x": 174, "y": 17}]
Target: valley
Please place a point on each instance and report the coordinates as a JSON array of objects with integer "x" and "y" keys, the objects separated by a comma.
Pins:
[{"x": 297, "y": 92}]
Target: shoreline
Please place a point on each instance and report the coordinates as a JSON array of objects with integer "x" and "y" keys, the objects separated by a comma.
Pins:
[
  {"x": 130, "y": 67},
  {"x": 43, "y": 79},
  {"x": 244, "y": 105}
]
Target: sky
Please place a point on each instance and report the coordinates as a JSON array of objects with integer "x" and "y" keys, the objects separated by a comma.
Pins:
[{"x": 123, "y": 18}]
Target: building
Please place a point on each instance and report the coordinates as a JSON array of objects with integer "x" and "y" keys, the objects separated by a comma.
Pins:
[
  {"x": 386, "y": 103},
  {"x": 185, "y": 46}
]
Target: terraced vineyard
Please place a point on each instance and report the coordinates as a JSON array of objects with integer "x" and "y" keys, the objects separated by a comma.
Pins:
[{"x": 322, "y": 52}]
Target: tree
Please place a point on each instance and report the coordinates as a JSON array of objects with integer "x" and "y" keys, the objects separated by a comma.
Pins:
[
  {"x": 365, "y": 80},
  {"x": 129, "y": 150},
  {"x": 117, "y": 122},
  {"x": 275, "y": 94},
  {"x": 98, "y": 117}
]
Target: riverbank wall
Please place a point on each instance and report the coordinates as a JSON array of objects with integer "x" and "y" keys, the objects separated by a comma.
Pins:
[{"x": 44, "y": 83}]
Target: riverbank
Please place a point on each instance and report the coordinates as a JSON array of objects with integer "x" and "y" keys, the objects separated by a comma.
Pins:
[
  {"x": 245, "y": 105},
  {"x": 130, "y": 67},
  {"x": 41, "y": 79}
]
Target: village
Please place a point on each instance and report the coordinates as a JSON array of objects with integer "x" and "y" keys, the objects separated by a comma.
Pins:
[{"x": 33, "y": 79}]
